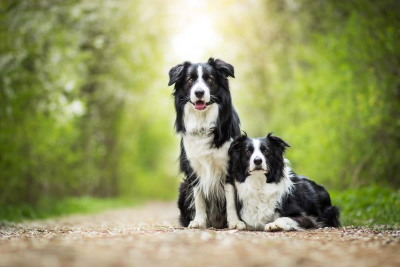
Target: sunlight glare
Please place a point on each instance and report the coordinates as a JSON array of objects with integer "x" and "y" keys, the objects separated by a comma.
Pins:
[{"x": 195, "y": 37}]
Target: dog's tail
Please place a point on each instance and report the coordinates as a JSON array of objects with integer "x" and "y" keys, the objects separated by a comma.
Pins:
[{"x": 330, "y": 216}]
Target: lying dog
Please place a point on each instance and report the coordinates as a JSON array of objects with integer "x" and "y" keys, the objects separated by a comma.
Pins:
[
  {"x": 270, "y": 196},
  {"x": 207, "y": 123}
]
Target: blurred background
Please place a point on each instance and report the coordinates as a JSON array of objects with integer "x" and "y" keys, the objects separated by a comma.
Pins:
[{"x": 86, "y": 116}]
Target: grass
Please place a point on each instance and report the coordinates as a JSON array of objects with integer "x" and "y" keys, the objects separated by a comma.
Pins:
[
  {"x": 372, "y": 206},
  {"x": 48, "y": 208}
]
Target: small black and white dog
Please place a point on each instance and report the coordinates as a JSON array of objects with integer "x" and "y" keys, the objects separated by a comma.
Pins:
[
  {"x": 270, "y": 196},
  {"x": 207, "y": 123}
]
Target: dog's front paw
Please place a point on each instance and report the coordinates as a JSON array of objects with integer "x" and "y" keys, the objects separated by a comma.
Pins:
[
  {"x": 272, "y": 227},
  {"x": 237, "y": 225},
  {"x": 282, "y": 224},
  {"x": 197, "y": 225}
]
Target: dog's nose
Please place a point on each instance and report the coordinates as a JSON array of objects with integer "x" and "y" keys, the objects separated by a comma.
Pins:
[
  {"x": 257, "y": 161},
  {"x": 199, "y": 93}
]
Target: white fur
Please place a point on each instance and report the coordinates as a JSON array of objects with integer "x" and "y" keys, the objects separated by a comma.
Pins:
[
  {"x": 232, "y": 216},
  {"x": 209, "y": 163},
  {"x": 199, "y": 122},
  {"x": 200, "y": 220},
  {"x": 260, "y": 199},
  {"x": 200, "y": 84},
  {"x": 257, "y": 153},
  {"x": 283, "y": 223}
]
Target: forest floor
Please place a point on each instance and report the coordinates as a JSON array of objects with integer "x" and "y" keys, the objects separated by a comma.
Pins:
[{"x": 150, "y": 236}]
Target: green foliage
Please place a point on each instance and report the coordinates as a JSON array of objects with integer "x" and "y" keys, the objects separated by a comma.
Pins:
[
  {"x": 324, "y": 76},
  {"x": 74, "y": 99},
  {"x": 368, "y": 206},
  {"x": 52, "y": 208}
]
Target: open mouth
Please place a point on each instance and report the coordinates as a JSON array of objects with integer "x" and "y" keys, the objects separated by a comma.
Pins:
[{"x": 200, "y": 105}]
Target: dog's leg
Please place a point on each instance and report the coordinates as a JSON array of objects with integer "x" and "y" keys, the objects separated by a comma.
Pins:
[
  {"x": 232, "y": 216},
  {"x": 200, "y": 219},
  {"x": 282, "y": 224}
]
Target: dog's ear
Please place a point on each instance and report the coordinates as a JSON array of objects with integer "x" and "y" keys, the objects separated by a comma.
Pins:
[
  {"x": 235, "y": 145},
  {"x": 177, "y": 72},
  {"x": 277, "y": 141},
  {"x": 225, "y": 68},
  {"x": 278, "y": 161},
  {"x": 234, "y": 153}
]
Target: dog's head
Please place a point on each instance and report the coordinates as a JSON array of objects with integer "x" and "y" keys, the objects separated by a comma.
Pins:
[
  {"x": 257, "y": 155},
  {"x": 200, "y": 84}
]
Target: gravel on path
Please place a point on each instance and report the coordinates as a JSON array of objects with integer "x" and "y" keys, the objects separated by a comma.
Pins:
[{"x": 150, "y": 236}]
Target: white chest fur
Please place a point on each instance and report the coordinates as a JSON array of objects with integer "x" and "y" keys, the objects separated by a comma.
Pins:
[
  {"x": 209, "y": 164},
  {"x": 260, "y": 199}
]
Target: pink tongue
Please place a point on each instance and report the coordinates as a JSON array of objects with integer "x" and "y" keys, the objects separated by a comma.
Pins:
[{"x": 199, "y": 105}]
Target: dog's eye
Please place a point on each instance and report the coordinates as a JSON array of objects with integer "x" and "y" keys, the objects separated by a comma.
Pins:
[
  {"x": 190, "y": 81},
  {"x": 248, "y": 152},
  {"x": 210, "y": 80},
  {"x": 264, "y": 150}
]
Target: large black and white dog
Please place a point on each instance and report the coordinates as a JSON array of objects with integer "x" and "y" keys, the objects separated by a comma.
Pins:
[
  {"x": 270, "y": 196},
  {"x": 207, "y": 123}
]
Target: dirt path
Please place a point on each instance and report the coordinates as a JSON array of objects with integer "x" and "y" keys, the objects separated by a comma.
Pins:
[{"x": 150, "y": 236}]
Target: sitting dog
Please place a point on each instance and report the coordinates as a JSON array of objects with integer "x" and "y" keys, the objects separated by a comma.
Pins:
[
  {"x": 207, "y": 123},
  {"x": 270, "y": 196}
]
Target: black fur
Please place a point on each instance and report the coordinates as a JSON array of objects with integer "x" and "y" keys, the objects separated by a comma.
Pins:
[
  {"x": 227, "y": 127},
  {"x": 309, "y": 203}
]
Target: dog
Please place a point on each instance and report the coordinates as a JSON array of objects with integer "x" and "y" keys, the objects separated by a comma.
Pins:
[
  {"x": 270, "y": 196},
  {"x": 207, "y": 123}
]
